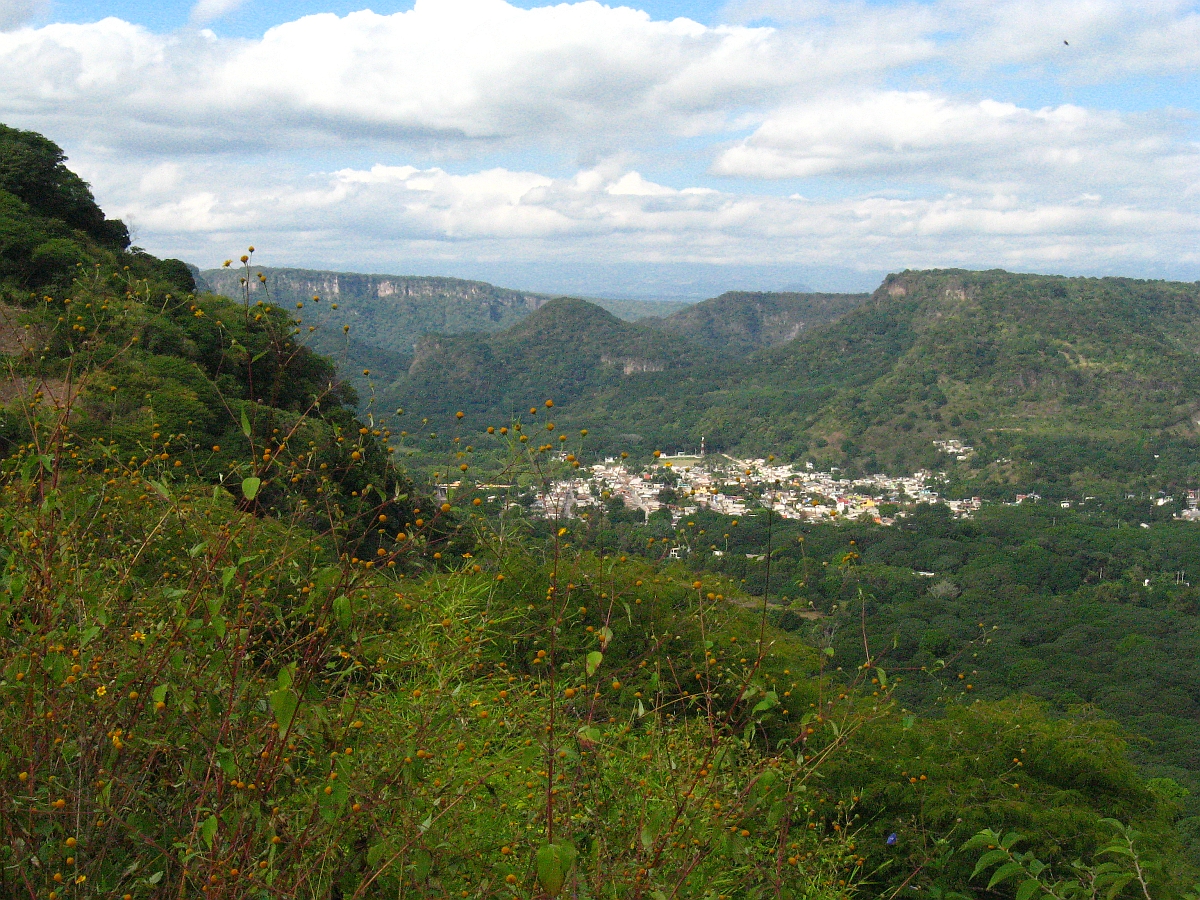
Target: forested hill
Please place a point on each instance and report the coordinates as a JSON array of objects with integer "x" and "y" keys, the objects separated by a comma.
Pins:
[
  {"x": 744, "y": 321},
  {"x": 1073, "y": 380},
  {"x": 569, "y": 350},
  {"x": 243, "y": 656},
  {"x": 1066, "y": 385},
  {"x": 49, "y": 220},
  {"x": 116, "y": 346},
  {"x": 390, "y": 313}
]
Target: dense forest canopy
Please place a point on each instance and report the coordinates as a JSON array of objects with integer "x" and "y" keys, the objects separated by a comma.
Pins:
[{"x": 1064, "y": 386}]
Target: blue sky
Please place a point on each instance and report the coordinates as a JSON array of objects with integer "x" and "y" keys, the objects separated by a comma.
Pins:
[
  {"x": 253, "y": 17},
  {"x": 606, "y": 150}
]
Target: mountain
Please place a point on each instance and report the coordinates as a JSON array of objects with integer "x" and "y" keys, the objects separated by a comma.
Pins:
[
  {"x": 392, "y": 312},
  {"x": 1072, "y": 384},
  {"x": 1066, "y": 379},
  {"x": 567, "y": 350},
  {"x": 49, "y": 220},
  {"x": 231, "y": 626},
  {"x": 744, "y": 321}
]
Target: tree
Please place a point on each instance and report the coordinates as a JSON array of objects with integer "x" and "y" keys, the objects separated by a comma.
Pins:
[{"x": 33, "y": 169}]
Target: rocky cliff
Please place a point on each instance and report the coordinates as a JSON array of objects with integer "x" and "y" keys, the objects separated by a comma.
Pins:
[{"x": 389, "y": 312}]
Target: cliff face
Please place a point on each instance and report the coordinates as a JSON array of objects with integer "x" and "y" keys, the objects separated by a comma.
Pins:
[
  {"x": 388, "y": 312},
  {"x": 740, "y": 322}
]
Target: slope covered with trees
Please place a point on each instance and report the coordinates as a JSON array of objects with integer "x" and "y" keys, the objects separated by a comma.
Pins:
[
  {"x": 740, "y": 322},
  {"x": 391, "y": 313},
  {"x": 1067, "y": 386},
  {"x": 242, "y": 656}
]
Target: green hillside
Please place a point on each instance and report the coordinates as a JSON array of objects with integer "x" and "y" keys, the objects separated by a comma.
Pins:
[
  {"x": 243, "y": 656},
  {"x": 568, "y": 350},
  {"x": 743, "y": 321},
  {"x": 1078, "y": 381},
  {"x": 1067, "y": 385},
  {"x": 392, "y": 312}
]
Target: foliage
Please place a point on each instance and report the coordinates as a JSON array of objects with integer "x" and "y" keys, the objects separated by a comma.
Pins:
[
  {"x": 33, "y": 170},
  {"x": 740, "y": 322},
  {"x": 1035, "y": 878},
  {"x": 1068, "y": 386},
  {"x": 242, "y": 656}
]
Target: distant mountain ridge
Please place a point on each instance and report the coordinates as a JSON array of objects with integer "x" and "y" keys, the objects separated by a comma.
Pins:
[
  {"x": 743, "y": 321},
  {"x": 392, "y": 312},
  {"x": 566, "y": 350},
  {"x": 387, "y": 312},
  {"x": 1068, "y": 384}
]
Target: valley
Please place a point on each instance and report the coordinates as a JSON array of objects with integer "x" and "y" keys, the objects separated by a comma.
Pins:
[{"x": 455, "y": 590}]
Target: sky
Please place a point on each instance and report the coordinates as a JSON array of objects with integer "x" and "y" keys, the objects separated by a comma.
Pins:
[{"x": 670, "y": 148}]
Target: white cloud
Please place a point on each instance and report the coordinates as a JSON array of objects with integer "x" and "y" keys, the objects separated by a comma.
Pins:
[
  {"x": 210, "y": 143},
  {"x": 208, "y": 10},
  {"x": 15, "y": 13},
  {"x": 917, "y": 136},
  {"x": 1104, "y": 38},
  {"x": 449, "y": 71},
  {"x": 380, "y": 216}
]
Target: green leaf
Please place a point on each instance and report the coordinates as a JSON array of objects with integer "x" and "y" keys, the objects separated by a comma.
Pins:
[
  {"x": 554, "y": 863},
  {"x": 656, "y": 818},
  {"x": 326, "y": 579},
  {"x": 330, "y": 805},
  {"x": 1117, "y": 886},
  {"x": 159, "y": 693},
  {"x": 770, "y": 701},
  {"x": 226, "y": 760},
  {"x": 284, "y": 678},
  {"x": 227, "y": 577},
  {"x": 982, "y": 839},
  {"x": 1005, "y": 872},
  {"x": 86, "y": 637},
  {"x": 590, "y": 733},
  {"x": 989, "y": 859},
  {"x": 250, "y": 487},
  {"x": 245, "y": 422},
  {"x": 1029, "y": 889},
  {"x": 593, "y": 662},
  {"x": 342, "y": 613},
  {"x": 284, "y": 703},
  {"x": 375, "y": 855},
  {"x": 208, "y": 830},
  {"x": 882, "y": 676},
  {"x": 422, "y": 864}
]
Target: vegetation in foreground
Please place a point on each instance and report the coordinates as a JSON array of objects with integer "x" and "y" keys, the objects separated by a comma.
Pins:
[{"x": 241, "y": 656}]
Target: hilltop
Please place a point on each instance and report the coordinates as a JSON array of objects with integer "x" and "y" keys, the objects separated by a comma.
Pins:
[
  {"x": 1063, "y": 381},
  {"x": 242, "y": 655},
  {"x": 568, "y": 349},
  {"x": 392, "y": 312},
  {"x": 1073, "y": 384},
  {"x": 740, "y": 322}
]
